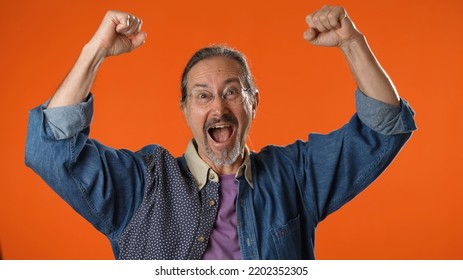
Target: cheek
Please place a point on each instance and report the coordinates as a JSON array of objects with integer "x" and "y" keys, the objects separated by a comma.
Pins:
[
  {"x": 195, "y": 122},
  {"x": 248, "y": 113}
]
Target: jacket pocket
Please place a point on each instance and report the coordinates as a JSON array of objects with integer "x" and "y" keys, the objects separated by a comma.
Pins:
[{"x": 287, "y": 239}]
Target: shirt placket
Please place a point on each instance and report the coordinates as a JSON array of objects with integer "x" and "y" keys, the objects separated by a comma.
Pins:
[
  {"x": 209, "y": 197},
  {"x": 246, "y": 222}
]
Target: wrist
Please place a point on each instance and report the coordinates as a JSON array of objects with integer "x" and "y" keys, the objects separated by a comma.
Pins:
[
  {"x": 93, "y": 55},
  {"x": 356, "y": 41}
]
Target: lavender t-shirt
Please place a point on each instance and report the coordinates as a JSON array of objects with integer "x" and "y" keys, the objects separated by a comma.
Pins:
[{"x": 223, "y": 243}]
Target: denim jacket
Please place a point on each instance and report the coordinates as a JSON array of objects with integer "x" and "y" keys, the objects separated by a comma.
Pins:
[{"x": 149, "y": 205}]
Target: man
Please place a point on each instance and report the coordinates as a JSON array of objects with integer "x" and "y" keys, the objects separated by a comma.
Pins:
[{"x": 219, "y": 200}]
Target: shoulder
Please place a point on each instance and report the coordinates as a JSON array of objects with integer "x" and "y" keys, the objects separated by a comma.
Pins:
[
  {"x": 149, "y": 150},
  {"x": 157, "y": 157},
  {"x": 281, "y": 156}
]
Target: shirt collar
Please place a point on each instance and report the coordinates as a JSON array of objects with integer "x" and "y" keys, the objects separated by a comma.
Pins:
[{"x": 202, "y": 172}]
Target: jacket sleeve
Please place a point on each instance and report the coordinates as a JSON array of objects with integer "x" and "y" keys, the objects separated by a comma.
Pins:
[
  {"x": 102, "y": 184},
  {"x": 334, "y": 168}
]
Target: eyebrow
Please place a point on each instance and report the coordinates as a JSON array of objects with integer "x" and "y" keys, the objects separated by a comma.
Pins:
[
  {"x": 199, "y": 85},
  {"x": 232, "y": 80},
  {"x": 226, "y": 82}
]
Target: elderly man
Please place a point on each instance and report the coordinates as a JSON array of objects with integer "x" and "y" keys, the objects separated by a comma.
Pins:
[{"x": 219, "y": 200}]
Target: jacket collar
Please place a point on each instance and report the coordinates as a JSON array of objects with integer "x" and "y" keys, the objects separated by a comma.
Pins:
[{"x": 203, "y": 172}]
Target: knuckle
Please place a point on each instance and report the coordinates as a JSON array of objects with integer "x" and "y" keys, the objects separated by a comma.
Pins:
[{"x": 340, "y": 9}]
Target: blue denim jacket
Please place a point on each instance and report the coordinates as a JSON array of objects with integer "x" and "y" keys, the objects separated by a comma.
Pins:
[{"x": 147, "y": 202}]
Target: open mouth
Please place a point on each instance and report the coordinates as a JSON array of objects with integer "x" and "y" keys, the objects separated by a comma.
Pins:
[{"x": 220, "y": 133}]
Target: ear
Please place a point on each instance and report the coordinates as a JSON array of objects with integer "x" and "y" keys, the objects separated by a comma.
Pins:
[{"x": 255, "y": 103}]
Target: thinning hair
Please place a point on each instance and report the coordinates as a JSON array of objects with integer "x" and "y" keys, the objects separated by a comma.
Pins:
[{"x": 218, "y": 51}]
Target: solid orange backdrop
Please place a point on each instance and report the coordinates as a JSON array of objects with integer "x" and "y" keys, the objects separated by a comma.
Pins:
[{"x": 413, "y": 211}]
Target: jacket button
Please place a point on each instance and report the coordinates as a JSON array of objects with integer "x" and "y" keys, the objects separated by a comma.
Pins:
[
  {"x": 211, "y": 176},
  {"x": 201, "y": 239},
  {"x": 212, "y": 203}
]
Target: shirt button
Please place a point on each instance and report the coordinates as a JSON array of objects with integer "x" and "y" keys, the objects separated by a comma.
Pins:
[
  {"x": 201, "y": 239},
  {"x": 211, "y": 176},
  {"x": 212, "y": 203}
]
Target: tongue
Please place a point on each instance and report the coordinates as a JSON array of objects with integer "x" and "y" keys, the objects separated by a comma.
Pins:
[{"x": 221, "y": 134}]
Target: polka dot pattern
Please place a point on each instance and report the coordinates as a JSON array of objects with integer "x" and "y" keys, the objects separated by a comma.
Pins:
[{"x": 174, "y": 220}]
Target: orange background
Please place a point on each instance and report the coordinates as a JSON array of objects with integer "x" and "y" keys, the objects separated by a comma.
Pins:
[{"x": 413, "y": 211}]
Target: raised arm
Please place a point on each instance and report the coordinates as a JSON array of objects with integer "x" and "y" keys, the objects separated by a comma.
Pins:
[
  {"x": 118, "y": 33},
  {"x": 339, "y": 165},
  {"x": 103, "y": 184},
  {"x": 331, "y": 27}
]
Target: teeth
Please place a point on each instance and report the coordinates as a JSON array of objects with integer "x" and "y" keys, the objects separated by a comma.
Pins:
[{"x": 220, "y": 126}]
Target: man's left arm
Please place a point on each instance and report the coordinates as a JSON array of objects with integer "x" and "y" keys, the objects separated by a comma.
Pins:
[
  {"x": 331, "y": 27},
  {"x": 341, "y": 164}
]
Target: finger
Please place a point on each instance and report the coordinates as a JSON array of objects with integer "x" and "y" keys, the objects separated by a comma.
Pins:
[
  {"x": 130, "y": 20},
  {"x": 309, "y": 21},
  {"x": 134, "y": 26},
  {"x": 333, "y": 21},
  {"x": 123, "y": 25},
  {"x": 314, "y": 22},
  {"x": 135, "y": 23},
  {"x": 323, "y": 20},
  {"x": 336, "y": 15},
  {"x": 138, "y": 39},
  {"x": 318, "y": 20},
  {"x": 128, "y": 25},
  {"x": 322, "y": 17},
  {"x": 310, "y": 34},
  {"x": 140, "y": 23}
]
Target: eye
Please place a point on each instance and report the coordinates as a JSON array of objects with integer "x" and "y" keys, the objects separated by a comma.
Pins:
[
  {"x": 231, "y": 93},
  {"x": 203, "y": 97}
]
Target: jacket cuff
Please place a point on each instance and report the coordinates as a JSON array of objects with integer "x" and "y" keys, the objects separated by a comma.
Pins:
[
  {"x": 384, "y": 118},
  {"x": 67, "y": 121}
]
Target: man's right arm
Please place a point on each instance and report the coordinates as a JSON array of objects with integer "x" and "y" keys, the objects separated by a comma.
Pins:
[
  {"x": 118, "y": 33},
  {"x": 104, "y": 185}
]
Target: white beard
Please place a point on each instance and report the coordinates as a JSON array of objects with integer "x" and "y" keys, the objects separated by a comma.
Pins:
[{"x": 226, "y": 157}]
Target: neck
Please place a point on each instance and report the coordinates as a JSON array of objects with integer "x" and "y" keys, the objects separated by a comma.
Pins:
[
  {"x": 224, "y": 169},
  {"x": 227, "y": 169}
]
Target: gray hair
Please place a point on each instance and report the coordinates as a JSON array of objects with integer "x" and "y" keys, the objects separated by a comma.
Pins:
[{"x": 218, "y": 51}]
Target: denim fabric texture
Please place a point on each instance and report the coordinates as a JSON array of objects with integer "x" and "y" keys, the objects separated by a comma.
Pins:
[{"x": 148, "y": 203}]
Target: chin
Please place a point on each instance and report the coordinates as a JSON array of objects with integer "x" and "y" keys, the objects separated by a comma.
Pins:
[{"x": 225, "y": 156}]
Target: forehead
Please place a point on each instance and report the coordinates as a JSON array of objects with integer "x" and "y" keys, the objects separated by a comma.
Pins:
[{"x": 213, "y": 70}]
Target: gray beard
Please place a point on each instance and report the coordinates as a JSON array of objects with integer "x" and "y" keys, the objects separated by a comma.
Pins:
[{"x": 226, "y": 157}]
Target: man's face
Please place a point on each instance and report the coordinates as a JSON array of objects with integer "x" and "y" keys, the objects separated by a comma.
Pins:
[{"x": 220, "y": 128}]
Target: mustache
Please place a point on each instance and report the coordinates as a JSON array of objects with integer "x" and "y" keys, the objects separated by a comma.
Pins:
[{"x": 224, "y": 119}]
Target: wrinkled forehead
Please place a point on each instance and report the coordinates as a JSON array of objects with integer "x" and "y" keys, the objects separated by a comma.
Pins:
[{"x": 214, "y": 72}]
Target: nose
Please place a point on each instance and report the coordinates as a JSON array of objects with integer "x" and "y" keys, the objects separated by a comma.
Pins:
[{"x": 219, "y": 106}]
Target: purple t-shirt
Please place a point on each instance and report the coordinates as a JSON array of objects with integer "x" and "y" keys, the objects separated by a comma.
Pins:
[{"x": 223, "y": 243}]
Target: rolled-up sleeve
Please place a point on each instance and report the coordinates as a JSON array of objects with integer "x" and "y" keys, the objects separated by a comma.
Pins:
[
  {"x": 339, "y": 165},
  {"x": 384, "y": 118},
  {"x": 103, "y": 184},
  {"x": 65, "y": 122}
]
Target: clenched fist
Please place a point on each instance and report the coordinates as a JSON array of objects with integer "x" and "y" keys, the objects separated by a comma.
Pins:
[
  {"x": 118, "y": 33},
  {"x": 330, "y": 27}
]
